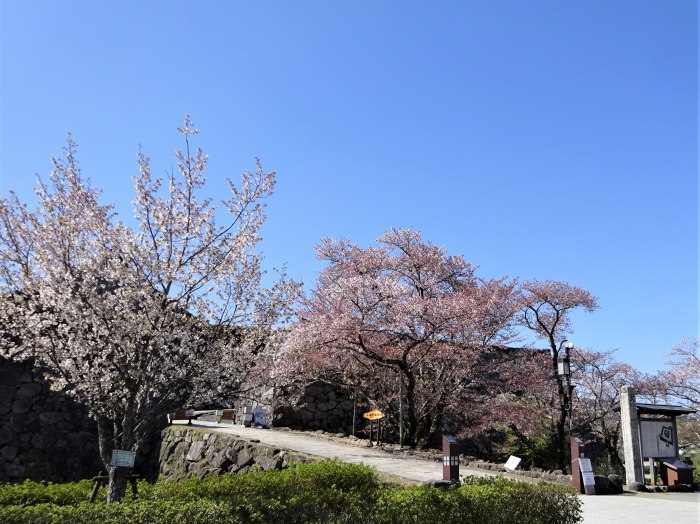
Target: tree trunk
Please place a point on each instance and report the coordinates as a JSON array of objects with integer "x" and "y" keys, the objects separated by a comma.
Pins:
[
  {"x": 108, "y": 442},
  {"x": 105, "y": 438},
  {"x": 117, "y": 484},
  {"x": 430, "y": 431},
  {"x": 401, "y": 428},
  {"x": 412, "y": 426},
  {"x": 613, "y": 455}
]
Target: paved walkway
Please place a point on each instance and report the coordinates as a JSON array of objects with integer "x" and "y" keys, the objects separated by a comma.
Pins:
[
  {"x": 657, "y": 508},
  {"x": 412, "y": 468}
]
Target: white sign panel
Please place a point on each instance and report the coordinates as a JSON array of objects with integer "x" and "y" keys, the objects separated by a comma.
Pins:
[
  {"x": 513, "y": 463},
  {"x": 588, "y": 482},
  {"x": 585, "y": 464},
  {"x": 587, "y": 475},
  {"x": 658, "y": 438},
  {"x": 123, "y": 459}
]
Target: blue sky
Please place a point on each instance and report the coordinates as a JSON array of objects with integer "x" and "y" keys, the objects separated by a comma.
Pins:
[{"x": 540, "y": 139}]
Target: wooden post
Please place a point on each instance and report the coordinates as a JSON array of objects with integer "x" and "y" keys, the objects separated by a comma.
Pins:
[
  {"x": 102, "y": 478},
  {"x": 400, "y": 409},
  {"x": 354, "y": 410},
  {"x": 98, "y": 482}
]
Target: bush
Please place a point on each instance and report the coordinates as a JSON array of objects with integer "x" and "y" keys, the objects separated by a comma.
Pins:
[
  {"x": 30, "y": 493},
  {"x": 135, "y": 512},
  {"x": 693, "y": 459},
  {"x": 487, "y": 501},
  {"x": 306, "y": 493},
  {"x": 324, "y": 492},
  {"x": 537, "y": 451}
]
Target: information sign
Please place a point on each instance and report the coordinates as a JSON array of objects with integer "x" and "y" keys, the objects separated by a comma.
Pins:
[
  {"x": 585, "y": 464},
  {"x": 375, "y": 414},
  {"x": 123, "y": 459},
  {"x": 587, "y": 474},
  {"x": 658, "y": 438},
  {"x": 588, "y": 482},
  {"x": 513, "y": 463}
]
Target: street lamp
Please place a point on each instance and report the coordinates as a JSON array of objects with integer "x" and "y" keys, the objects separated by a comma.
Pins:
[
  {"x": 564, "y": 361},
  {"x": 564, "y": 372}
]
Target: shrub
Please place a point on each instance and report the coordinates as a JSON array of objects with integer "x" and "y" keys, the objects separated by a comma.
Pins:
[
  {"x": 487, "y": 501},
  {"x": 536, "y": 451},
  {"x": 29, "y": 493},
  {"x": 324, "y": 492},
  {"x": 134, "y": 512},
  {"x": 306, "y": 493}
]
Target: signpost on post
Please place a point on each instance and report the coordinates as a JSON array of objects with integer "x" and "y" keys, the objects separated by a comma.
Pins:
[
  {"x": 374, "y": 416},
  {"x": 123, "y": 459},
  {"x": 120, "y": 459}
]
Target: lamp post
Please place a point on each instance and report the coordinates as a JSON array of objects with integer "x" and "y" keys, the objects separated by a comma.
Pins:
[{"x": 564, "y": 372}]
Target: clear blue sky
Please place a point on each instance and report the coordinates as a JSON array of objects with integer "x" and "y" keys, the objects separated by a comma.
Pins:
[{"x": 541, "y": 139}]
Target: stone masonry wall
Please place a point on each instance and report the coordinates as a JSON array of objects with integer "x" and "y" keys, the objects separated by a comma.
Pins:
[
  {"x": 44, "y": 435},
  {"x": 318, "y": 406},
  {"x": 194, "y": 452}
]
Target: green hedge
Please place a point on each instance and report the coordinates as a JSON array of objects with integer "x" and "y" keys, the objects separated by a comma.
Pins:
[
  {"x": 29, "y": 493},
  {"x": 324, "y": 492},
  {"x": 487, "y": 501},
  {"x": 135, "y": 512}
]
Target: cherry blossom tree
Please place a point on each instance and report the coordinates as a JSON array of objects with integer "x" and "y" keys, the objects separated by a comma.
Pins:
[
  {"x": 545, "y": 311},
  {"x": 522, "y": 390},
  {"x": 681, "y": 383},
  {"x": 516, "y": 398},
  {"x": 599, "y": 377},
  {"x": 404, "y": 319},
  {"x": 682, "y": 380},
  {"x": 127, "y": 319}
]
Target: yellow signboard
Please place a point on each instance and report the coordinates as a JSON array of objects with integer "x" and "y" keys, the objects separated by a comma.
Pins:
[{"x": 375, "y": 414}]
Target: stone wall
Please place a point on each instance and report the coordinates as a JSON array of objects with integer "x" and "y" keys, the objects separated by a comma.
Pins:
[
  {"x": 316, "y": 406},
  {"x": 194, "y": 452},
  {"x": 44, "y": 435}
]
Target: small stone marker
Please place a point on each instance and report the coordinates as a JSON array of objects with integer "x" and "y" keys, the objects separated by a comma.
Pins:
[
  {"x": 587, "y": 474},
  {"x": 513, "y": 463},
  {"x": 123, "y": 459}
]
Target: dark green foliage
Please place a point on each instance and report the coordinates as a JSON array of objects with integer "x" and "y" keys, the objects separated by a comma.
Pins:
[
  {"x": 134, "y": 512},
  {"x": 324, "y": 492},
  {"x": 538, "y": 451},
  {"x": 30, "y": 493},
  {"x": 486, "y": 501},
  {"x": 695, "y": 462},
  {"x": 327, "y": 491}
]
